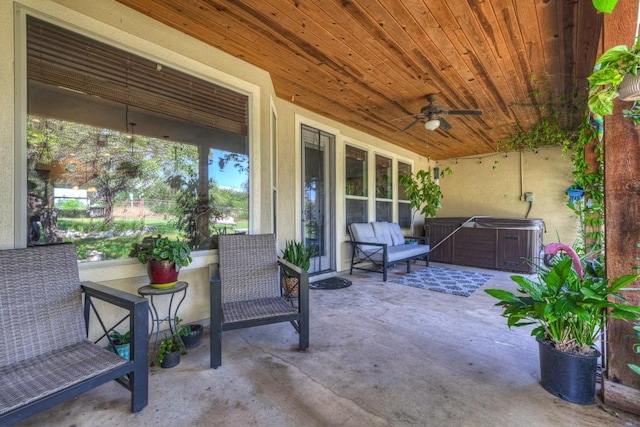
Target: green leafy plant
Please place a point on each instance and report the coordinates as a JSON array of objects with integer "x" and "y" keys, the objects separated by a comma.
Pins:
[
  {"x": 565, "y": 122},
  {"x": 636, "y": 348},
  {"x": 590, "y": 177},
  {"x": 169, "y": 345},
  {"x": 162, "y": 248},
  {"x": 567, "y": 306},
  {"x": 605, "y": 6},
  {"x": 184, "y": 330},
  {"x": 557, "y": 119},
  {"x": 173, "y": 343},
  {"x": 610, "y": 70},
  {"x": 119, "y": 339},
  {"x": 298, "y": 254},
  {"x": 423, "y": 192}
]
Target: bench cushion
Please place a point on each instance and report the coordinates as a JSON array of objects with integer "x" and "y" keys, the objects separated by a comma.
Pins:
[
  {"x": 363, "y": 232},
  {"x": 402, "y": 252},
  {"x": 396, "y": 234},
  {"x": 382, "y": 232},
  {"x": 44, "y": 375}
]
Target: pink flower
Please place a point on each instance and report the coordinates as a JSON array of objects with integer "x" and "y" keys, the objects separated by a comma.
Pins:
[{"x": 553, "y": 248}]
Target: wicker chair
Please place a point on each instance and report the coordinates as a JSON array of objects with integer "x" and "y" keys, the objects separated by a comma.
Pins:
[
  {"x": 45, "y": 358},
  {"x": 247, "y": 291}
]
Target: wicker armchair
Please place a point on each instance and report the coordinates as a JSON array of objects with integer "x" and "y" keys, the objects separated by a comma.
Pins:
[
  {"x": 247, "y": 291},
  {"x": 45, "y": 357}
]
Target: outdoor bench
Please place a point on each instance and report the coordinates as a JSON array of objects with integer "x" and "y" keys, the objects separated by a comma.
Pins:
[
  {"x": 382, "y": 244},
  {"x": 45, "y": 357}
]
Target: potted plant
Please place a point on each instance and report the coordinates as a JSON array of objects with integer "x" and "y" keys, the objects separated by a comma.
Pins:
[
  {"x": 299, "y": 255},
  {"x": 423, "y": 192},
  {"x": 164, "y": 258},
  {"x": 189, "y": 334},
  {"x": 575, "y": 193},
  {"x": 616, "y": 74},
  {"x": 568, "y": 305},
  {"x": 169, "y": 351},
  {"x": 120, "y": 344}
]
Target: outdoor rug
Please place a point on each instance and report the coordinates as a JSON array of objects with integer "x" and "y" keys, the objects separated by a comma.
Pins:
[
  {"x": 447, "y": 280},
  {"x": 331, "y": 283}
]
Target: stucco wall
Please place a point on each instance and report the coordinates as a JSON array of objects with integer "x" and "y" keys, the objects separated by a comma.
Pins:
[{"x": 480, "y": 186}]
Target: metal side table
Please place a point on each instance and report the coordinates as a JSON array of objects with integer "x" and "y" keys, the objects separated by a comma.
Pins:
[{"x": 150, "y": 292}]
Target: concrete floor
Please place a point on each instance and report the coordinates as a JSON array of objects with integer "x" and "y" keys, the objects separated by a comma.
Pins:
[{"x": 381, "y": 354}]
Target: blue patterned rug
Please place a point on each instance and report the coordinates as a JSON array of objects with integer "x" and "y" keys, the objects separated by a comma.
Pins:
[{"x": 447, "y": 280}]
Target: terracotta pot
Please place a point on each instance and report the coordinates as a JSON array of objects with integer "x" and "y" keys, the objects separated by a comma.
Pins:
[
  {"x": 629, "y": 89},
  {"x": 160, "y": 272}
]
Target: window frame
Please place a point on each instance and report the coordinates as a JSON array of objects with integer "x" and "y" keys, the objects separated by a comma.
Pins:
[
  {"x": 150, "y": 48},
  {"x": 391, "y": 182},
  {"x": 365, "y": 197},
  {"x": 400, "y": 201}
]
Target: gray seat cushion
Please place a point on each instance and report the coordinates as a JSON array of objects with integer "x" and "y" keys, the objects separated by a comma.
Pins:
[
  {"x": 383, "y": 232},
  {"x": 401, "y": 252},
  {"x": 363, "y": 232}
]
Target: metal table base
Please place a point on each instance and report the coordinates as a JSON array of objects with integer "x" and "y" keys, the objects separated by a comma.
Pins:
[{"x": 156, "y": 320}]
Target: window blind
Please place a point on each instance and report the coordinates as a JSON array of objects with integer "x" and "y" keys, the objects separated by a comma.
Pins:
[{"x": 58, "y": 57}]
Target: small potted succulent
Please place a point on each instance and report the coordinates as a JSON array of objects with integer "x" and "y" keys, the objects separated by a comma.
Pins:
[
  {"x": 164, "y": 258},
  {"x": 567, "y": 304},
  {"x": 120, "y": 344},
  {"x": 299, "y": 255}
]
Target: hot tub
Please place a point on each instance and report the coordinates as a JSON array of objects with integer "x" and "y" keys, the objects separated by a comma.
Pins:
[{"x": 510, "y": 244}]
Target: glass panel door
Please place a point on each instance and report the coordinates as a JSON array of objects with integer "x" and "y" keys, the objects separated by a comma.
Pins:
[{"x": 317, "y": 201}]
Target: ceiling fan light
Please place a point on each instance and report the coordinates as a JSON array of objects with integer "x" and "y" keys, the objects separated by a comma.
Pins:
[{"x": 432, "y": 124}]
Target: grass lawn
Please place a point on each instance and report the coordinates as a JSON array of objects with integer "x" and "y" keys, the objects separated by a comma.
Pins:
[{"x": 119, "y": 246}]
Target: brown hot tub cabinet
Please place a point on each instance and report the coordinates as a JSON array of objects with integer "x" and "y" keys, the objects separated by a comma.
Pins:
[{"x": 511, "y": 244}]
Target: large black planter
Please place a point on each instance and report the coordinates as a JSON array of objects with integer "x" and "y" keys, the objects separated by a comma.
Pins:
[{"x": 568, "y": 376}]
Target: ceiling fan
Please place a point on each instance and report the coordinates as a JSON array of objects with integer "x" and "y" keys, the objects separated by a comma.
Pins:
[{"x": 433, "y": 114}]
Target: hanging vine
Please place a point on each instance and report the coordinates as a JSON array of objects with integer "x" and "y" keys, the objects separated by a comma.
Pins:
[{"x": 581, "y": 140}]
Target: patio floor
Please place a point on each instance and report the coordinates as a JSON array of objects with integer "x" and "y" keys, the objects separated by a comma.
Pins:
[{"x": 381, "y": 354}]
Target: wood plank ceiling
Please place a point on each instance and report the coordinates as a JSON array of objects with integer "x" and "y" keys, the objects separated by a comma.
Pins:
[{"x": 370, "y": 63}]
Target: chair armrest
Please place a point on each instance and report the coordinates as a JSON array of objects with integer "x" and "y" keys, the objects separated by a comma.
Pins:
[
  {"x": 291, "y": 269},
  {"x": 113, "y": 296},
  {"x": 138, "y": 308},
  {"x": 303, "y": 284}
]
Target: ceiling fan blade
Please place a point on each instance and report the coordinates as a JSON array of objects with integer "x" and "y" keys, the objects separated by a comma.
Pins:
[
  {"x": 406, "y": 128},
  {"x": 468, "y": 112},
  {"x": 444, "y": 125},
  {"x": 406, "y": 117}
]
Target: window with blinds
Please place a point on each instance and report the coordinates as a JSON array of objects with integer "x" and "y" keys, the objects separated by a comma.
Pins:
[{"x": 120, "y": 147}]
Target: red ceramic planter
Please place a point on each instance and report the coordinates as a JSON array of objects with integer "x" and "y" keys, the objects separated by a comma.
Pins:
[{"x": 160, "y": 272}]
